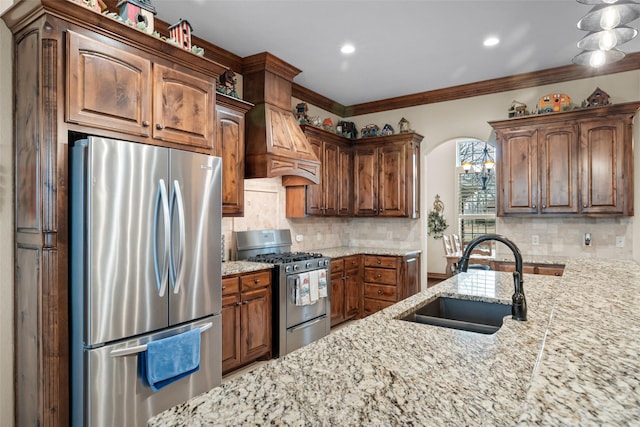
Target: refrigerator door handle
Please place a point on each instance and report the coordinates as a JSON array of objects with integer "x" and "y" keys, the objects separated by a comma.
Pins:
[
  {"x": 177, "y": 268},
  {"x": 121, "y": 352},
  {"x": 161, "y": 272}
]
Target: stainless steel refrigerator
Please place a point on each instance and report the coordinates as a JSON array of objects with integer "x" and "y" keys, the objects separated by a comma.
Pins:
[{"x": 145, "y": 265}]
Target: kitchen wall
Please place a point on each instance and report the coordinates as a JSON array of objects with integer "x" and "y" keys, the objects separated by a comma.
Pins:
[{"x": 6, "y": 223}]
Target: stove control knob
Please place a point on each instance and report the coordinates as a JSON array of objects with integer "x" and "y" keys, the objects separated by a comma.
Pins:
[
  {"x": 320, "y": 263},
  {"x": 296, "y": 267},
  {"x": 326, "y": 262},
  {"x": 307, "y": 265},
  {"x": 287, "y": 269}
]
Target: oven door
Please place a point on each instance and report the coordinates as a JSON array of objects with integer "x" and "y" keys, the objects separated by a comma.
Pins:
[{"x": 298, "y": 314}]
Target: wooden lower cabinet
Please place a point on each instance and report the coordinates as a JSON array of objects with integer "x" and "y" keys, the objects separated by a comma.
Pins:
[
  {"x": 246, "y": 319},
  {"x": 530, "y": 268},
  {"x": 346, "y": 288},
  {"x": 389, "y": 279}
]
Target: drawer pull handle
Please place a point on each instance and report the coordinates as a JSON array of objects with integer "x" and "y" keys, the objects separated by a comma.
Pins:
[
  {"x": 378, "y": 276},
  {"x": 239, "y": 303},
  {"x": 224, "y": 287},
  {"x": 379, "y": 262},
  {"x": 256, "y": 281}
]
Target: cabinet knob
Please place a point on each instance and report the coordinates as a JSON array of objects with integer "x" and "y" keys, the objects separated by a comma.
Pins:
[
  {"x": 379, "y": 292},
  {"x": 378, "y": 276},
  {"x": 145, "y": 123},
  {"x": 159, "y": 126},
  {"x": 239, "y": 303},
  {"x": 585, "y": 205},
  {"x": 256, "y": 281},
  {"x": 224, "y": 287},
  {"x": 544, "y": 206},
  {"x": 534, "y": 206},
  {"x": 379, "y": 262}
]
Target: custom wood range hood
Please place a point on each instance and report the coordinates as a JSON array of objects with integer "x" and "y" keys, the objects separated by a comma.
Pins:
[{"x": 275, "y": 144}]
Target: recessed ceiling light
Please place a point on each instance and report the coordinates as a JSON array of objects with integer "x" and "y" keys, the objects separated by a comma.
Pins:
[
  {"x": 347, "y": 48},
  {"x": 491, "y": 41}
]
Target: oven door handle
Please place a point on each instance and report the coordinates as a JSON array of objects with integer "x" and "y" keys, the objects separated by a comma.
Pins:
[
  {"x": 306, "y": 325},
  {"x": 295, "y": 281}
]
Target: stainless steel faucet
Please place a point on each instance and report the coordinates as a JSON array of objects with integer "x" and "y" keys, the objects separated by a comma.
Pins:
[{"x": 519, "y": 306}]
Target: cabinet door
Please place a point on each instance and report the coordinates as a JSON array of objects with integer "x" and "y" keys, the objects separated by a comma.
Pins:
[
  {"x": 344, "y": 181},
  {"x": 230, "y": 146},
  {"x": 337, "y": 299},
  {"x": 230, "y": 332},
  {"x": 518, "y": 172},
  {"x": 183, "y": 108},
  {"x": 558, "y": 160},
  {"x": 602, "y": 155},
  {"x": 314, "y": 192},
  {"x": 256, "y": 324},
  {"x": 410, "y": 276},
  {"x": 330, "y": 179},
  {"x": 365, "y": 181},
  {"x": 392, "y": 176},
  {"x": 107, "y": 87},
  {"x": 353, "y": 294}
]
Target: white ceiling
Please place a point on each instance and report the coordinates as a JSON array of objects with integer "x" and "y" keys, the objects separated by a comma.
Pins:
[{"x": 403, "y": 46}]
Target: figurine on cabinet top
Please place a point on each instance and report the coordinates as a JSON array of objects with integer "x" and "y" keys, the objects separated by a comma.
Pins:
[
  {"x": 598, "y": 98},
  {"x": 227, "y": 83},
  {"x": 404, "y": 126},
  {"x": 369, "y": 131},
  {"x": 139, "y": 12},
  {"x": 347, "y": 129},
  {"x": 518, "y": 109},
  {"x": 181, "y": 34},
  {"x": 554, "y": 102},
  {"x": 387, "y": 130},
  {"x": 301, "y": 113}
]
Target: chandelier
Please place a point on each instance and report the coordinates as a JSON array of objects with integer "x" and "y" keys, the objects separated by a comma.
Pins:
[
  {"x": 482, "y": 168},
  {"x": 606, "y": 23}
]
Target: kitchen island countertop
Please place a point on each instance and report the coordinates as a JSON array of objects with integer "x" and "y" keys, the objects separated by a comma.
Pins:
[{"x": 574, "y": 362}]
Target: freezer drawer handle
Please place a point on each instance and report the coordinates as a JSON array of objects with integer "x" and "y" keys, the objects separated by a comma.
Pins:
[
  {"x": 143, "y": 347},
  {"x": 306, "y": 325}
]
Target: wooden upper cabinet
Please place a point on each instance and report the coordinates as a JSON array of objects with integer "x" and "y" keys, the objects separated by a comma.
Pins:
[
  {"x": 107, "y": 87},
  {"x": 573, "y": 163},
  {"x": 517, "y": 171},
  {"x": 183, "y": 108},
  {"x": 602, "y": 157},
  {"x": 122, "y": 90},
  {"x": 365, "y": 183},
  {"x": 332, "y": 196},
  {"x": 230, "y": 141},
  {"x": 387, "y": 175}
]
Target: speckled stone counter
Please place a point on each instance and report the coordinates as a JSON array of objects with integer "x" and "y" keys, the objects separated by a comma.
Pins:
[
  {"x": 236, "y": 267},
  {"x": 348, "y": 250},
  {"x": 574, "y": 362}
]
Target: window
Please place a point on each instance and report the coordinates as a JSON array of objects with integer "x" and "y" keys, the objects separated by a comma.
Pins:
[{"x": 476, "y": 189}]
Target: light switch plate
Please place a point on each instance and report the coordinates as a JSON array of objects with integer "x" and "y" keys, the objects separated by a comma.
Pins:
[
  {"x": 619, "y": 241},
  {"x": 535, "y": 240}
]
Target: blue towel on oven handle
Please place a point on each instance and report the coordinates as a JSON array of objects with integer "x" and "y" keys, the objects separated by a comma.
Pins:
[{"x": 169, "y": 359}]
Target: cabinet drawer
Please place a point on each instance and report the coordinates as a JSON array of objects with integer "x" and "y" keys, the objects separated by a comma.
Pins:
[
  {"x": 373, "y": 305},
  {"x": 384, "y": 292},
  {"x": 352, "y": 262},
  {"x": 230, "y": 285},
  {"x": 380, "y": 261},
  {"x": 380, "y": 275},
  {"x": 551, "y": 270},
  {"x": 337, "y": 265},
  {"x": 255, "y": 280}
]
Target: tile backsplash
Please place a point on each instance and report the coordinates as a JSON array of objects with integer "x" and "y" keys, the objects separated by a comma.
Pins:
[{"x": 565, "y": 236}]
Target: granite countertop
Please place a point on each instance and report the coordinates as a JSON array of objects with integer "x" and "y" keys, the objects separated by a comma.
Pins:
[
  {"x": 573, "y": 362},
  {"x": 237, "y": 267},
  {"x": 348, "y": 250}
]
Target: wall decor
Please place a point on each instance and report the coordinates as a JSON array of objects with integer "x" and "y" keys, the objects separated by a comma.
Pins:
[{"x": 436, "y": 224}]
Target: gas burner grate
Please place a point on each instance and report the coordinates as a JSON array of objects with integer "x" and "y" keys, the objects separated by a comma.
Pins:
[{"x": 284, "y": 258}]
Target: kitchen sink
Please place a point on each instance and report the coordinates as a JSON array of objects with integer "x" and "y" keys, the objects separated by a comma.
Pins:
[{"x": 474, "y": 316}]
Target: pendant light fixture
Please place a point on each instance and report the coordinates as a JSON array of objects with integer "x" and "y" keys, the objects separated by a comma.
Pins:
[{"x": 606, "y": 23}]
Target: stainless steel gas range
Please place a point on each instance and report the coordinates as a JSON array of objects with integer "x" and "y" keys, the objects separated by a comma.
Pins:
[{"x": 297, "y": 321}]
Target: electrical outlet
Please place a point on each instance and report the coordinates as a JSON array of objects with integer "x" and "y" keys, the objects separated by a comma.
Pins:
[
  {"x": 299, "y": 237},
  {"x": 535, "y": 240},
  {"x": 619, "y": 241}
]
